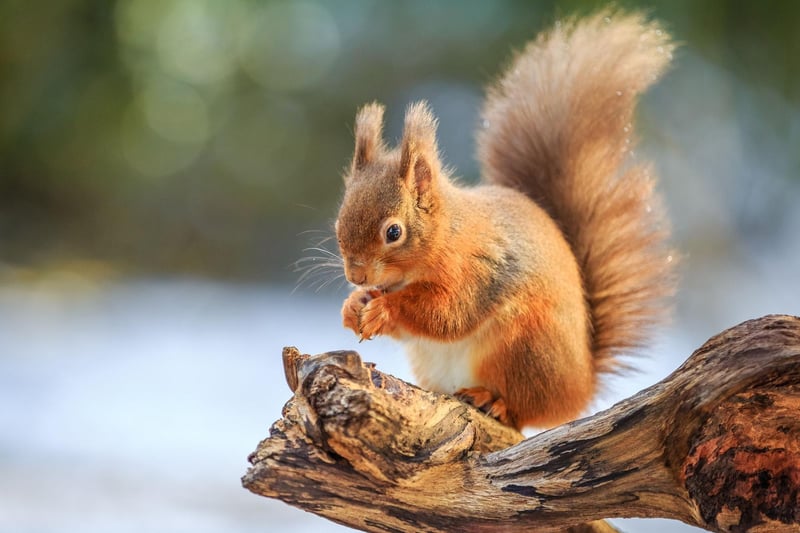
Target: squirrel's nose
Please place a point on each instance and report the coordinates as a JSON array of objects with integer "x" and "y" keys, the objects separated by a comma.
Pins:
[
  {"x": 356, "y": 274},
  {"x": 357, "y": 279}
]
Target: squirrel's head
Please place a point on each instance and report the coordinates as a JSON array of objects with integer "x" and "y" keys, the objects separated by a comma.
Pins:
[{"x": 389, "y": 210}]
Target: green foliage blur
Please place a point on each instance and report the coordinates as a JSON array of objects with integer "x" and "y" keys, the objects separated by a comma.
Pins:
[{"x": 206, "y": 137}]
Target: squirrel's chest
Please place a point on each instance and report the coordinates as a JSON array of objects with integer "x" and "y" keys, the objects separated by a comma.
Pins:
[{"x": 445, "y": 366}]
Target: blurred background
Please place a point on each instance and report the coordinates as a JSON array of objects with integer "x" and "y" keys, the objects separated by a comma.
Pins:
[{"x": 165, "y": 163}]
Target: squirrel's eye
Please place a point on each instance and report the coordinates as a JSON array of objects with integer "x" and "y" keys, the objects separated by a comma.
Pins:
[{"x": 393, "y": 232}]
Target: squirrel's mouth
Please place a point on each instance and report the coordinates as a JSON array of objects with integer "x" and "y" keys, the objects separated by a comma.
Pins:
[{"x": 385, "y": 289}]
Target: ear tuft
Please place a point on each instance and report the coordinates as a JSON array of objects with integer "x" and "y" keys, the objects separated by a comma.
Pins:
[
  {"x": 420, "y": 126},
  {"x": 419, "y": 158},
  {"x": 368, "y": 133}
]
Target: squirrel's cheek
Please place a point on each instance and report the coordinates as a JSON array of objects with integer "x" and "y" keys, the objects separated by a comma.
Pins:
[{"x": 391, "y": 278}]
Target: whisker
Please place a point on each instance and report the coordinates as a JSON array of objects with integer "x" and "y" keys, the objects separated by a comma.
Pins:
[
  {"x": 329, "y": 281},
  {"x": 312, "y": 231},
  {"x": 316, "y": 271},
  {"x": 313, "y": 265},
  {"x": 315, "y": 259},
  {"x": 342, "y": 284},
  {"x": 306, "y": 206},
  {"x": 323, "y": 251},
  {"x": 322, "y": 266},
  {"x": 325, "y": 239}
]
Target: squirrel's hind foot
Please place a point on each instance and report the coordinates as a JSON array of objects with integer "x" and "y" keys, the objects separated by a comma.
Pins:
[{"x": 488, "y": 402}]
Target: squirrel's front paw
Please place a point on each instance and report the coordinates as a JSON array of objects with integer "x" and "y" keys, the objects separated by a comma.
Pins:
[
  {"x": 351, "y": 309},
  {"x": 376, "y": 319}
]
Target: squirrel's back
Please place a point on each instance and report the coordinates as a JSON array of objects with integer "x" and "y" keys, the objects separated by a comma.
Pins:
[{"x": 558, "y": 127}]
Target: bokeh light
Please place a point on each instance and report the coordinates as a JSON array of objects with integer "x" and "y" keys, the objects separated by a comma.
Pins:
[{"x": 288, "y": 46}]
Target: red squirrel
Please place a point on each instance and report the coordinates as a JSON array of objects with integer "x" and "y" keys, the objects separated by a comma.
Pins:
[{"x": 515, "y": 294}]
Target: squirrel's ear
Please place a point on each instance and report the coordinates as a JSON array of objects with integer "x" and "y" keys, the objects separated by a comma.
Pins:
[
  {"x": 419, "y": 158},
  {"x": 369, "y": 125}
]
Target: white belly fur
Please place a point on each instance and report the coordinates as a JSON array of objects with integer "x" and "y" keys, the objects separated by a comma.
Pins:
[{"x": 443, "y": 366}]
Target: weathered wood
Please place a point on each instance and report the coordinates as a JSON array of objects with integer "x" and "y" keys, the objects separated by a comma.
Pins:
[{"x": 716, "y": 444}]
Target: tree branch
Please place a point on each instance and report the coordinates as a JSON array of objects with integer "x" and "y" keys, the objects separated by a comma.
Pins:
[{"x": 716, "y": 445}]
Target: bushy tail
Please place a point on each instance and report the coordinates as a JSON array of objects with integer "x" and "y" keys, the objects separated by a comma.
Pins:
[{"x": 557, "y": 126}]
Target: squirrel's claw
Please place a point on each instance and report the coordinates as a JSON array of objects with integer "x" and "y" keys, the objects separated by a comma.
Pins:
[
  {"x": 488, "y": 402},
  {"x": 351, "y": 311},
  {"x": 375, "y": 319}
]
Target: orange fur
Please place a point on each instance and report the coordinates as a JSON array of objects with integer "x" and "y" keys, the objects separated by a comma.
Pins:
[
  {"x": 559, "y": 129},
  {"x": 516, "y": 293}
]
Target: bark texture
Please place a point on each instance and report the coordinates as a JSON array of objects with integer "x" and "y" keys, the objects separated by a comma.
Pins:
[{"x": 716, "y": 444}]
